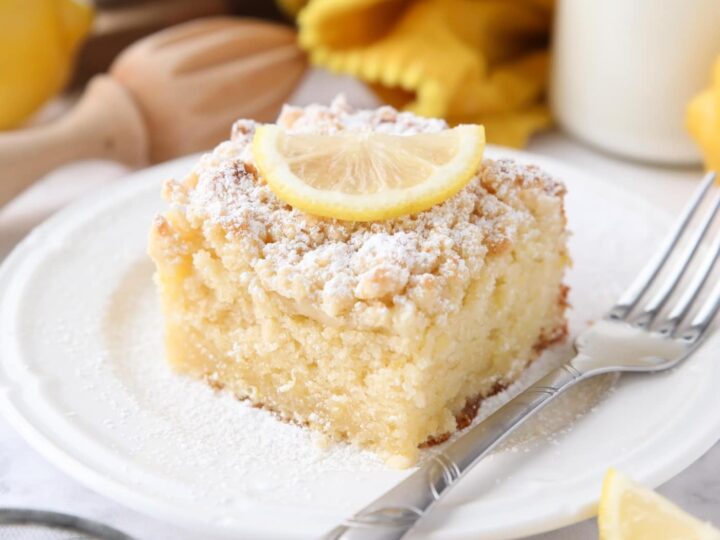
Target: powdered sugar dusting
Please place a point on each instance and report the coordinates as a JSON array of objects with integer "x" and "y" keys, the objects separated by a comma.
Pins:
[
  {"x": 209, "y": 426},
  {"x": 348, "y": 269},
  {"x": 89, "y": 374},
  {"x": 226, "y": 439}
]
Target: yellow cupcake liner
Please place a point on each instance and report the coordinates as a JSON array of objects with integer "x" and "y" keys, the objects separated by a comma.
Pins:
[{"x": 460, "y": 59}]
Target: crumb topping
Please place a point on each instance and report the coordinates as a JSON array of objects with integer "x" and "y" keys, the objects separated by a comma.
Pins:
[{"x": 422, "y": 261}]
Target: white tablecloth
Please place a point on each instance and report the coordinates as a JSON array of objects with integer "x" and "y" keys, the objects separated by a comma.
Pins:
[{"x": 26, "y": 480}]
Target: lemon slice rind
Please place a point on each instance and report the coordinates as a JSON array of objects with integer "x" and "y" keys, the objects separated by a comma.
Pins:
[
  {"x": 631, "y": 512},
  {"x": 444, "y": 181}
]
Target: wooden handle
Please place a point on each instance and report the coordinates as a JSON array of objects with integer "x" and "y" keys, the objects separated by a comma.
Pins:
[{"x": 105, "y": 124}]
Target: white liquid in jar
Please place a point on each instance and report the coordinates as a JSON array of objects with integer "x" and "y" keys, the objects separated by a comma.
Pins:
[{"x": 624, "y": 72}]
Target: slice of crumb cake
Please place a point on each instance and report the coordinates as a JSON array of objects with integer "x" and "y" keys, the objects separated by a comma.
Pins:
[{"x": 386, "y": 334}]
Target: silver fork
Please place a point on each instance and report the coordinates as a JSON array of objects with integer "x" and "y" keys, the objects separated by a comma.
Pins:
[{"x": 630, "y": 338}]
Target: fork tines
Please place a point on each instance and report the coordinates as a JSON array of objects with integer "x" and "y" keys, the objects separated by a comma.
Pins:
[{"x": 660, "y": 278}]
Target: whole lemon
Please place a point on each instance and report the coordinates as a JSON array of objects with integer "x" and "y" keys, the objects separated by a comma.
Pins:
[
  {"x": 38, "y": 40},
  {"x": 703, "y": 120}
]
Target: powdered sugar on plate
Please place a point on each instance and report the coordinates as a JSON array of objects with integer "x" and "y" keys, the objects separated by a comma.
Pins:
[
  {"x": 231, "y": 443},
  {"x": 83, "y": 375},
  {"x": 209, "y": 426}
]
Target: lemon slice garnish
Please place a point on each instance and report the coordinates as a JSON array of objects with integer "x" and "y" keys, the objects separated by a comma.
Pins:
[
  {"x": 631, "y": 512},
  {"x": 367, "y": 176}
]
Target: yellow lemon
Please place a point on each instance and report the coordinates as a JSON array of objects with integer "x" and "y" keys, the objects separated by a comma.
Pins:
[
  {"x": 631, "y": 512},
  {"x": 367, "y": 176},
  {"x": 38, "y": 39},
  {"x": 703, "y": 120}
]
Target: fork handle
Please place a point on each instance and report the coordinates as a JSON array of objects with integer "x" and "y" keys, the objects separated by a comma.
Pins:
[{"x": 392, "y": 515}]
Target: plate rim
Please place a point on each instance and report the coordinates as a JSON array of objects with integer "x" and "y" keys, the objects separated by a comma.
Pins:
[{"x": 154, "y": 507}]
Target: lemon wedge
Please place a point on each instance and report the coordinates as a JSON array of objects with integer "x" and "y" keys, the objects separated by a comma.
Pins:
[
  {"x": 367, "y": 176},
  {"x": 631, "y": 512}
]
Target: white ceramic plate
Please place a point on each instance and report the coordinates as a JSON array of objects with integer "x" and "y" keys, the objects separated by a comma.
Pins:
[{"x": 82, "y": 377}]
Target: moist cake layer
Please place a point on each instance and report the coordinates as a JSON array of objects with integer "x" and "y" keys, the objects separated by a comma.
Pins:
[{"x": 378, "y": 333}]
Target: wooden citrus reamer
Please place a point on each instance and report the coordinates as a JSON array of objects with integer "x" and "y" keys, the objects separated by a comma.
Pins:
[{"x": 175, "y": 92}]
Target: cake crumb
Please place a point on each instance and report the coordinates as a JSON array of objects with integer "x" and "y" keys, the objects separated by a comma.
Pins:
[{"x": 345, "y": 268}]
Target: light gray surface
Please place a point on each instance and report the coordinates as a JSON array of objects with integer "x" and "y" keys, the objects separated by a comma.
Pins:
[{"x": 26, "y": 480}]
